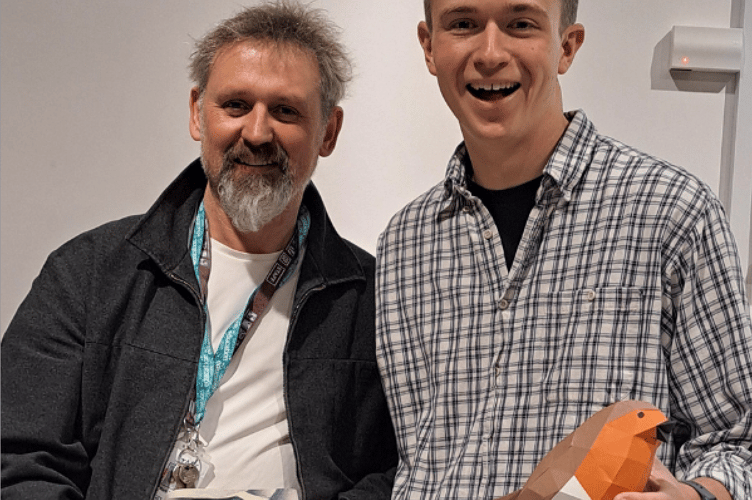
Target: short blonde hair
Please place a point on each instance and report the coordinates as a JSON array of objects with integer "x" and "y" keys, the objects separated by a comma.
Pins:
[{"x": 568, "y": 13}]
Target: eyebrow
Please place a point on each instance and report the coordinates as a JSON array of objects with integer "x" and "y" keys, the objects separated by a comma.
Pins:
[
  {"x": 525, "y": 7},
  {"x": 462, "y": 9},
  {"x": 516, "y": 8}
]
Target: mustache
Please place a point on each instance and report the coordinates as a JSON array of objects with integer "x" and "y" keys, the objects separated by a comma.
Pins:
[{"x": 265, "y": 154}]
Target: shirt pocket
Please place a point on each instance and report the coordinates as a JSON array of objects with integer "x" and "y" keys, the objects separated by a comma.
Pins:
[{"x": 598, "y": 349}]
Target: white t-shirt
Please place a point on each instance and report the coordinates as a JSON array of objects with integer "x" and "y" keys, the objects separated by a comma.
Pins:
[{"x": 245, "y": 423}]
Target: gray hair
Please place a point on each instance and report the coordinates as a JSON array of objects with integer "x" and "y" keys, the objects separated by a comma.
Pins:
[
  {"x": 280, "y": 22},
  {"x": 568, "y": 13}
]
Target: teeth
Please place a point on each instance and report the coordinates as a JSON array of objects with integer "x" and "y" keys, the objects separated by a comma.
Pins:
[{"x": 494, "y": 87}]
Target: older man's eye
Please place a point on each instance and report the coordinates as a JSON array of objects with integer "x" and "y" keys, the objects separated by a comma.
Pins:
[
  {"x": 287, "y": 113},
  {"x": 235, "y": 107}
]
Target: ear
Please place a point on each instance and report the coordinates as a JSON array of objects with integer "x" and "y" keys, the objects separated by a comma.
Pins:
[
  {"x": 571, "y": 41},
  {"x": 331, "y": 132},
  {"x": 194, "y": 124},
  {"x": 424, "y": 36}
]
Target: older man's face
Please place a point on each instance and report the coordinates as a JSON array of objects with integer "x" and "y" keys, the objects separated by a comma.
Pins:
[{"x": 260, "y": 127}]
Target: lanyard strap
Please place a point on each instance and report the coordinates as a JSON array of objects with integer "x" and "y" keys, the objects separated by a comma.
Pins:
[{"x": 211, "y": 365}]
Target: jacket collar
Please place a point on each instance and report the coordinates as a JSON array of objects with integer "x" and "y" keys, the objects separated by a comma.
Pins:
[
  {"x": 163, "y": 234},
  {"x": 328, "y": 259}
]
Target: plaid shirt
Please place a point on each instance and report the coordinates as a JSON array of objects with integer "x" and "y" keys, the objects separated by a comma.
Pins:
[{"x": 626, "y": 285}]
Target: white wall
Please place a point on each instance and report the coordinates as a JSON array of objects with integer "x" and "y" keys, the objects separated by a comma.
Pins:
[{"x": 94, "y": 99}]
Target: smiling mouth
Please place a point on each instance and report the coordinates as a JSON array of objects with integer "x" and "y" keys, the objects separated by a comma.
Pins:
[
  {"x": 492, "y": 92},
  {"x": 255, "y": 165}
]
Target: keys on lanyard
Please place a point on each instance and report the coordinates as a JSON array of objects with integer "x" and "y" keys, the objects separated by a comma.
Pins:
[
  {"x": 189, "y": 463},
  {"x": 188, "y": 467},
  {"x": 185, "y": 476}
]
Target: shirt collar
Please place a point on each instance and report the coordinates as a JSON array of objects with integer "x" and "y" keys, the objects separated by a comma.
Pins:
[
  {"x": 573, "y": 153},
  {"x": 565, "y": 168}
]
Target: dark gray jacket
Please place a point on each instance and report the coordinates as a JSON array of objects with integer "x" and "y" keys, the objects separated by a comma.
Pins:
[{"x": 99, "y": 362}]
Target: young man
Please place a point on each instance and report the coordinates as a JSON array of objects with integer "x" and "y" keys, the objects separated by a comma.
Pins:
[
  {"x": 224, "y": 340},
  {"x": 554, "y": 271}
]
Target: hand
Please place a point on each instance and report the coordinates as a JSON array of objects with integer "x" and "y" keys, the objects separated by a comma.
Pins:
[{"x": 662, "y": 485}]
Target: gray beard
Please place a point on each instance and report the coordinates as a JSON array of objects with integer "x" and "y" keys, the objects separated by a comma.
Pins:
[{"x": 252, "y": 201}]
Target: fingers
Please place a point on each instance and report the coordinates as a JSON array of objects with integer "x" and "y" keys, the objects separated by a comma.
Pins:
[{"x": 662, "y": 485}]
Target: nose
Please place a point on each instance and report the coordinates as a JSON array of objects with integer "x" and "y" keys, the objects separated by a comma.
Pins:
[
  {"x": 492, "y": 51},
  {"x": 257, "y": 128}
]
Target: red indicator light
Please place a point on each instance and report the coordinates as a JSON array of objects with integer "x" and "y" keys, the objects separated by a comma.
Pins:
[{"x": 685, "y": 60}]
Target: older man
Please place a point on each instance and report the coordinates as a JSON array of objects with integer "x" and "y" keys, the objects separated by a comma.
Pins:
[
  {"x": 553, "y": 272},
  {"x": 225, "y": 339}
]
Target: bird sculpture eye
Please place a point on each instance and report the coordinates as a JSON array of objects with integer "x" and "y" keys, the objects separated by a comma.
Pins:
[{"x": 640, "y": 415}]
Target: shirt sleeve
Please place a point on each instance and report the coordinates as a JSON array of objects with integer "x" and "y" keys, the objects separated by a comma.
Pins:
[
  {"x": 709, "y": 338},
  {"x": 43, "y": 455}
]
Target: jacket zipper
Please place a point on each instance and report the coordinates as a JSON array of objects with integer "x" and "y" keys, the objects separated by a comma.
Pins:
[
  {"x": 180, "y": 281},
  {"x": 293, "y": 324}
]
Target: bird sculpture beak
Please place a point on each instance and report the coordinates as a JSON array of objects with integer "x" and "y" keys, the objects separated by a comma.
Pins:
[{"x": 663, "y": 431}]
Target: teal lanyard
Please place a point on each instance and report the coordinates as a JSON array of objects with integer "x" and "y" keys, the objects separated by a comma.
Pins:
[{"x": 211, "y": 365}]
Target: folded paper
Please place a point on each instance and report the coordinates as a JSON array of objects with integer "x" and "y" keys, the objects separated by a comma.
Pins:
[{"x": 610, "y": 453}]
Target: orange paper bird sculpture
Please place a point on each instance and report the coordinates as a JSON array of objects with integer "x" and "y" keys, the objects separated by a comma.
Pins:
[{"x": 610, "y": 453}]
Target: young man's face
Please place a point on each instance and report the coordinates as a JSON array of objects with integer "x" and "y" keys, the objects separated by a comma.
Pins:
[{"x": 497, "y": 63}]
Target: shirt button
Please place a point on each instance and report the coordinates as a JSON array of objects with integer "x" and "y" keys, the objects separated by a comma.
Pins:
[
  {"x": 467, "y": 209},
  {"x": 590, "y": 295},
  {"x": 488, "y": 234},
  {"x": 503, "y": 304}
]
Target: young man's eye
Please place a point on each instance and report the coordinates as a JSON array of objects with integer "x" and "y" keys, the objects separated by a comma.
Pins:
[
  {"x": 461, "y": 25},
  {"x": 521, "y": 25}
]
